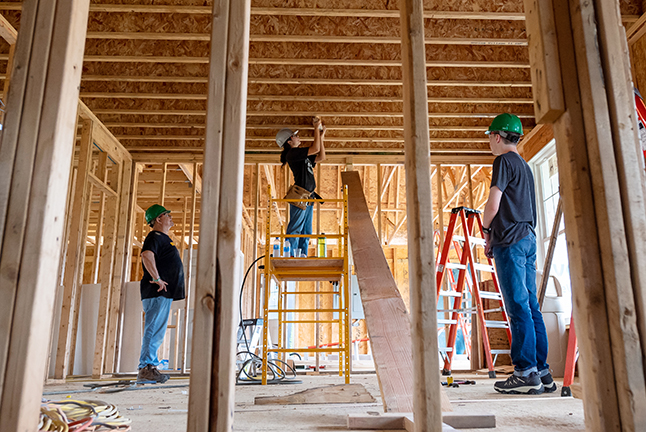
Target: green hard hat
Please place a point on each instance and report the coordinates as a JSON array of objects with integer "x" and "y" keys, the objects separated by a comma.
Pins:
[
  {"x": 154, "y": 211},
  {"x": 506, "y": 123}
]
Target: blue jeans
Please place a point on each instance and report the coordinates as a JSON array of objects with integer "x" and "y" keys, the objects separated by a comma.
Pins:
[
  {"x": 516, "y": 269},
  {"x": 300, "y": 222},
  {"x": 157, "y": 310}
]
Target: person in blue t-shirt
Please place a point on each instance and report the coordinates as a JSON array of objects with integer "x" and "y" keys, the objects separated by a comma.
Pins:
[
  {"x": 301, "y": 161},
  {"x": 509, "y": 220}
]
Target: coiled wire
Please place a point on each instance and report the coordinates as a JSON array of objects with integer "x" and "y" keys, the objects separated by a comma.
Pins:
[{"x": 76, "y": 415}]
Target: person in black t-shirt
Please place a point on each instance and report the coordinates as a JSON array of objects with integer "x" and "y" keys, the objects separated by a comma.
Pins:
[
  {"x": 508, "y": 221},
  {"x": 301, "y": 161},
  {"x": 163, "y": 282}
]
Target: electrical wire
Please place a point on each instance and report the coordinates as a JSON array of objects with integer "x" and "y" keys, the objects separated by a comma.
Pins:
[
  {"x": 254, "y": 362},
  {"x": 76, "y": 416}
]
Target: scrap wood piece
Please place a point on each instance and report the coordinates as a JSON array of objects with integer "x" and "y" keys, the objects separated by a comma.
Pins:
[
  {"x": 342, "y": 393},
  {"x": 450, "y": 421},
  {"x": 387, "y": 320}
]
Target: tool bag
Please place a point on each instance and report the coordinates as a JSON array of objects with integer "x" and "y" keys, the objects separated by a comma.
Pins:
[{"x": 297, "y": 192}]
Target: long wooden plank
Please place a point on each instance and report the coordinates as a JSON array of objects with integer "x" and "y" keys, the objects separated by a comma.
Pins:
[
  {"x": 211, "y": 400},
  {"x": 597, "y": 262},
  {"x": 41, "y": 119},
  {"x": 429, "y": 397},
  {"x": 386, "y": 316}
]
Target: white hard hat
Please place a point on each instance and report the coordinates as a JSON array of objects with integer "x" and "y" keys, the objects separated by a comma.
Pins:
[{"x": 283, "y": 136}]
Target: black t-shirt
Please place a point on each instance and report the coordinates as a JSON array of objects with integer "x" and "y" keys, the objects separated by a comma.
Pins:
[
  {"x": 169, "y": 265},
  {"x": 302, "y": 167},
  {"x": 516, "y": 216}
]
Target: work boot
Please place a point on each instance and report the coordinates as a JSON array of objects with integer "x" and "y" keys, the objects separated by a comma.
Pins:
[
  {"x": 548, "y": 383},
  {"x": 515, "y": 384},
  {"x": 150, "y": 373}
]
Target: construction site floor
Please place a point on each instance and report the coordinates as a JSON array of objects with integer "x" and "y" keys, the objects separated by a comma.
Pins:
[{"x": 155, "y": 409}]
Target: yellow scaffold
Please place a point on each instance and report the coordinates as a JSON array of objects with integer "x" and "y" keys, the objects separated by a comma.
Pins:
[{"x": 284, "y": 269}]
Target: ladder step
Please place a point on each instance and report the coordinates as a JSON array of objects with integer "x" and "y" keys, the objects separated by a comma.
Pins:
[
  {"x": 446, "y": 321},
  {"x": 484, "y": 267},
  {"x": 455, "y": 266},
  {"x": 446, "y": 349},
  {"x": 496, "y": 324},
  {"x": 500, "y": 351},
  {"x": 493, "y": 310},
  {"x": 450, "y": 294},
  {"x": 490, "y": 295},
  {"x": 473, "y": 240}
]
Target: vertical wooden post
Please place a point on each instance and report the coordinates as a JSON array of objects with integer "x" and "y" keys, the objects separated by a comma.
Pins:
[
  {"x": 189, "y": 272},
  {"x": 102, "y": 173},
  {"x": 162, "y": 189},
  {"x": 256, "y": 204},
  {"x": 182, "y": 242},
  {"x": 427, "y": 398},
  {"x": 75, "y": 252},
  {"x": 120, "y": 273},
  {"x": 598, "y": 163},
  {"x": 34, "y": 167},
  {"x": 107, "y": 270},
  {"x": 213, "y": 360}
]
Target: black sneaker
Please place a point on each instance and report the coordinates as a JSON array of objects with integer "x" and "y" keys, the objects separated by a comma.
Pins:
[
  {"x": 530, "y": 384},
  {"x": 548, "y": 383}
]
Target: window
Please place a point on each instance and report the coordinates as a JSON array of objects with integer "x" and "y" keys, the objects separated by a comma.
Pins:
[{"x": 545, "y": 168}]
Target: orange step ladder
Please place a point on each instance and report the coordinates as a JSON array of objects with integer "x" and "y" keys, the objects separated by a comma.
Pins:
[{"x": 468, "y": 266}]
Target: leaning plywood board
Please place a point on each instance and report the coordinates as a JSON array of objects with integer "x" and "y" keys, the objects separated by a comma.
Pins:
[
  {"x": 342, "y": 393},
  {"x": 386, "y": 316}
]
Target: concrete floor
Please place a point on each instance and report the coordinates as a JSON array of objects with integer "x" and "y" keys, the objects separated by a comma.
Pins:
[{"x": 165, "y": 409}]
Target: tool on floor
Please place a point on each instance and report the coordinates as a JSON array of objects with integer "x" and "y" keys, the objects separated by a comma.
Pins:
[
  {"x": 116, "y": 386},
  {"x": 450, "y": 382},
  {"x": 464, "y": 247}
]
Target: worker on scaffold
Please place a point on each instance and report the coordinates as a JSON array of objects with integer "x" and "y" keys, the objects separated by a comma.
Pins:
[
  {"x": 301, "y": 161},
  {"x": 509, "y": 220}
]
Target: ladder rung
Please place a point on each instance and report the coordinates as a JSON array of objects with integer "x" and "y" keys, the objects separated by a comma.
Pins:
[
  {"x": 496, "y": 324},
  {"x": 450, "y": 294},
  {"x": 484, "y": 267},
  {"x": 472, "y": 240},
  {"x": 446, "y": 349},
  {"x": 455, "y": 266},
  {"x": 490, "y": 295},
  {"x": 446, "y": 321},
  {"x": 500, "y": 351},
  {"x": 493, "y": 310}
]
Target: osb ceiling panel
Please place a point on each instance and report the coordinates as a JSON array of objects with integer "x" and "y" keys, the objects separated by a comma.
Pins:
[{"x": 146, "y": 70}]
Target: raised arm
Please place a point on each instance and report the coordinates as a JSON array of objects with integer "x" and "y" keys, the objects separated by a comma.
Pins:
[{"x": 321, "y": 155}]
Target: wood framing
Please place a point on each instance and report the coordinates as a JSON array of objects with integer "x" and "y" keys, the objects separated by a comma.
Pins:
[
  {"x": 427, "y": 401},
  {"x": 213, "y": 363},
  {"x": 34, "y": 168}
]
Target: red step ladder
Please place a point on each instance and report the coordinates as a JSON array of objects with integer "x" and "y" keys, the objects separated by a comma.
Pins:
[{"x": 468, "y": 264}]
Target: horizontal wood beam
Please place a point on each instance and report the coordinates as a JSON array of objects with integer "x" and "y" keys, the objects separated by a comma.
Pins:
[
  {"x": 312, "y": 12},
  {"x": 387, "y": 157},
  {"x": 205, "y": 37},
  {"x": 300, "y": 61},
  {"x": 384, "y": 114},
  {"x": 308, "y": 81},
  {"x": 271, "y": 138},
  {"x": 305, "y": 98}
]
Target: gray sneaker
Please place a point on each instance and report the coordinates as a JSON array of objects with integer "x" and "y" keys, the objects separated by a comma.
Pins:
[
  {"x": 530, "y": 384},
  {"x": 548, "y": 383},
  {"x": 150, "y": 373}
]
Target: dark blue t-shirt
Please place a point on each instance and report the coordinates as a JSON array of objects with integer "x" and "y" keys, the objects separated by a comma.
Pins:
[
  {"x": 169, "y": 265},
  {"x": 516, "y": 216}
]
